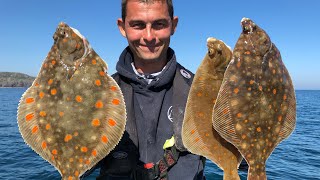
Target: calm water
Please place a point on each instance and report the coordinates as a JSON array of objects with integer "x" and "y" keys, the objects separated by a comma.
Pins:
[{"x": 298, "y": 157}]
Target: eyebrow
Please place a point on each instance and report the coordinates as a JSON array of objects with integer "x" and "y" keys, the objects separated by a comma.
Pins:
[{"x": 141, "y": 21}]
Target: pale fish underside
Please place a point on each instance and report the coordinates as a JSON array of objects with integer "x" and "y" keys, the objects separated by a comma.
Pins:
[
  {"x": 74, "y": 114},
  {"x": 198, "y": 134},
  {"x": 256, "y": 105}
]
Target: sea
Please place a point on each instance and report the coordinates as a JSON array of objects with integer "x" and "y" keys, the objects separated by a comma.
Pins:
[{"x": 297, "y": 157}]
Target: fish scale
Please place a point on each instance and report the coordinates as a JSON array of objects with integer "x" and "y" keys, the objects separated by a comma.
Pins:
[
  {"x": 256, "y": 105},
  {"x": 198, "y": 134},
  {"x": 74, "y": 114}
]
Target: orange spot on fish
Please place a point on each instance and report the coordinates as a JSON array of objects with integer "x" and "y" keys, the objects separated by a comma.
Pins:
[
  {"x": 75, "y": 133},
  {"x": 112, "y": 122},
  {"x": 42, "y": 113},
  {"x": 80, "y": 160},
  {"x": 94, "y": 62},
  {"x": 84, "y": 149},
  {"x": 79, "y": 98},
  {"x": 53, "y": 62},
  {"x": 251, "y": 82},
  {"x": 239, "y": 115},
  {"x": 236, "y": 90},
  {"x": 53, "y": 91},
  {"x": 52, "y": 158},
  {"x": 50, "y": 81},
  {"x": 116, "y": 101},
  {"x": 71, "y": 160},
  {"x": 207, "y": 134},
  {"x": 200, "y": 114},
  {"x": 78, "y": 45},
  {"x": 98, "y": 82},
  {"x": 225, "y": 111},
  {"x": 94, "y": 152},
  {"x": 274, "y": 91},
  {"x": 61, "y": 114},
  {"x": 199, "y": 94},
  {"x": 95, "y": 122},
  {"x": 247, "y": 52},
  {"x": 74, "y": 35},
  {"x": 246, "y": 121},
  {"x": 29, "y": 117},
  {"x": 260, "y": 88},
  {"x": 193, "y": 131},
  {"x": 41, "y": 95},
  {"x": 29, "y": 100},
  {"x": 67, "y": 138},
  {"x": 113, "y": 88},
  {"x": 101, "y": 73},
  {"x": 44, "y": 145},
  {"x": 280, "y": 118},
  {"x": 238, "y": 64},
  {"x": 48, "y": 126},
  {"x": 36, "y": 84},
  {"x": 284, "y": 97},
  {"x": 104, "y": 139},
  {"x": 99, "y": 104},
  {"x": 197, "y": 139},
  {"x": 231, "y": 131},
  {"x": 243, "y": 136},
  {"x": 45, "y": 65},
  {"x": 87, "y": 162},
  {"x": 259, "y": 129},
  {"x": 76, "y": 173},
  {"x": 64, "y": 40},
  {"x": 54, "y": 152}
]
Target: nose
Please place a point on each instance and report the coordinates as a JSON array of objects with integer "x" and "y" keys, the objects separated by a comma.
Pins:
[{"x": 149, "y": 34}]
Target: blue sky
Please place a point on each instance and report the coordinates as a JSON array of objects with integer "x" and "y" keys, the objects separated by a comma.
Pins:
[{"x": 27, "y": 27}]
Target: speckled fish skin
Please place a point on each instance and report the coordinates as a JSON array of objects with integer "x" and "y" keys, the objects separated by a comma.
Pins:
[
  {"x": 198, "y": 134},
  {"x": 74, "y": 113},
  {"x": 256, "y": 105}
]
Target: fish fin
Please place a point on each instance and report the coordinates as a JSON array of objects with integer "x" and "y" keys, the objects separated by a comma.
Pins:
[
  {"x": 29, "y": 123},
  {"x": 222, "y": 116},
  {"x": 290, "y": 119},
  {"x": 114, "y": 122}
]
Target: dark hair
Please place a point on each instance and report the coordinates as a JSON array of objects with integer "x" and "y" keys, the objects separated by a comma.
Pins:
[{"x": 124, "y": 7}]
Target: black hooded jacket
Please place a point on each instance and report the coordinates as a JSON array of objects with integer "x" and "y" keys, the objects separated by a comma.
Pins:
[{"x": 154, "y": 114}]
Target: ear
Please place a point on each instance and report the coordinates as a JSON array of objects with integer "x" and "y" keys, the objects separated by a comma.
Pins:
[
  {"x": 121, "y": 25},
  {"x": 175, "y": 21}
]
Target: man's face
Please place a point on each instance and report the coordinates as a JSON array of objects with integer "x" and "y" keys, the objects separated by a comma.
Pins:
[{"x": 148, "y": 28}]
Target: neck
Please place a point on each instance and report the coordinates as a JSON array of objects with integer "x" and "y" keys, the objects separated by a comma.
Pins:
[{"x": 149, "y": 68}]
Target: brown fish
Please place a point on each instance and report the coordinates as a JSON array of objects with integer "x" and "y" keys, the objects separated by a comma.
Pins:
[
  {"x": 256, "y": 105},
  {"x": 74, "y": 114},
  {"x": 198, "y": 134}
]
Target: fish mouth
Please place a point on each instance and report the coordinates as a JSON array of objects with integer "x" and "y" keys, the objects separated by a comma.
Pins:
[{"x": 248, "y": 26}]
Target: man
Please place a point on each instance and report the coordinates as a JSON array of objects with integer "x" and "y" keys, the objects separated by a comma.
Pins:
[{"x": 155, "y": 88}]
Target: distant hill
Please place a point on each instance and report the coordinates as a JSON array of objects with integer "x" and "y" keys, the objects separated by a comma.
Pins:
[{"x": 11, "y": 79}]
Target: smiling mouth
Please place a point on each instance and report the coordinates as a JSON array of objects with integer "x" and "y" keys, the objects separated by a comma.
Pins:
[{"x": 149, "y": 48}]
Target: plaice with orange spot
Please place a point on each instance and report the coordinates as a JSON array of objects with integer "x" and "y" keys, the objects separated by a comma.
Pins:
[
  {"x": 55, "y": 115},
  {"x": 197, "y": 129},
  {"x": 260, "y": 97}
]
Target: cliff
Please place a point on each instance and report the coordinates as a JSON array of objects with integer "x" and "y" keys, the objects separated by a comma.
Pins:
[{"x": 12, "y": 79}]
